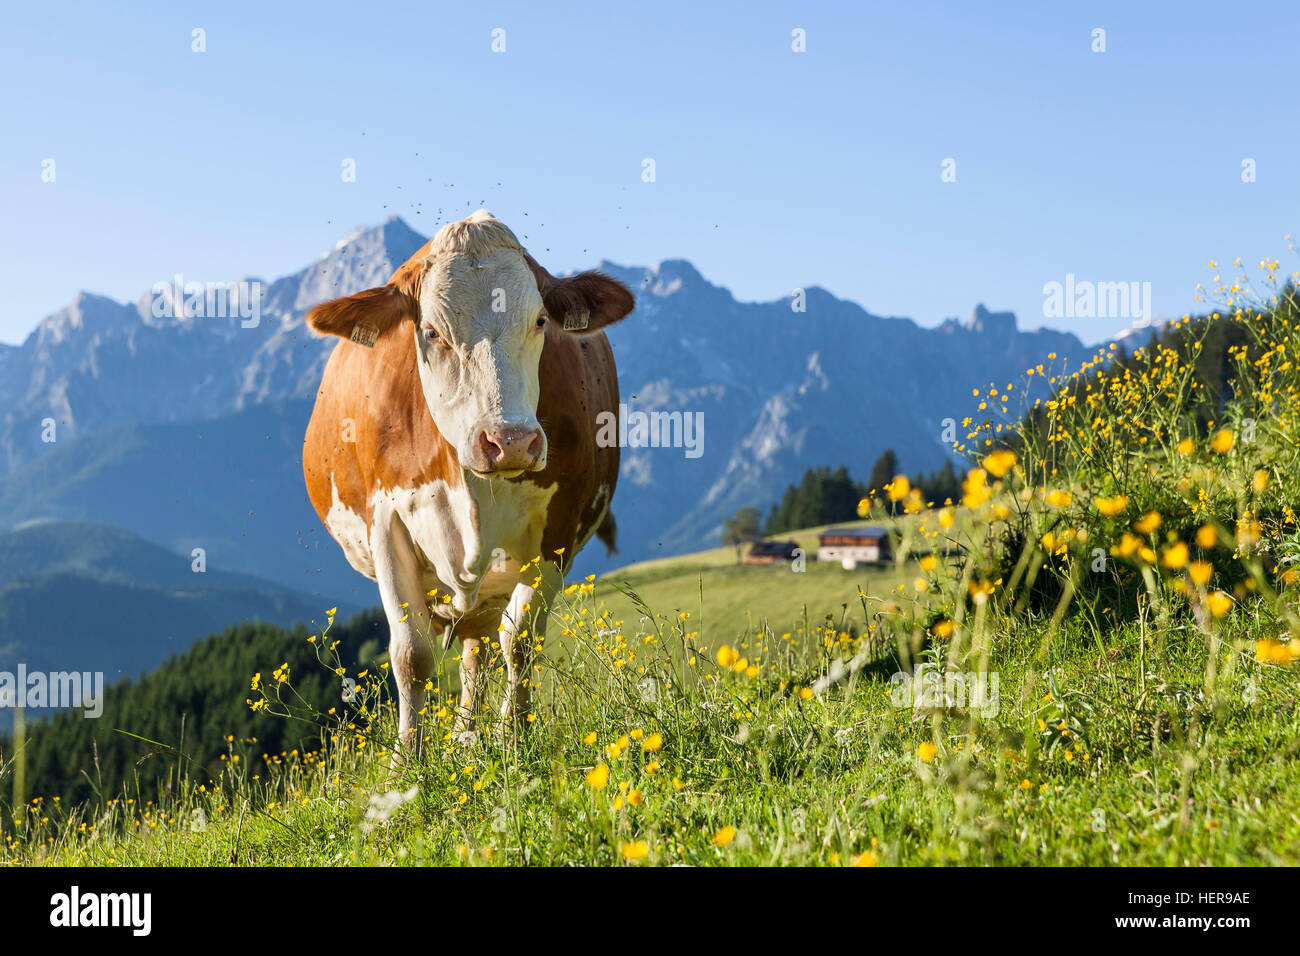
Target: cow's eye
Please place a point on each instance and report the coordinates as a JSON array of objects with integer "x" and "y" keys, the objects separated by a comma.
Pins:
[
  {"x": 541, "y": 321},
  {"x": 431, "y": 335}
]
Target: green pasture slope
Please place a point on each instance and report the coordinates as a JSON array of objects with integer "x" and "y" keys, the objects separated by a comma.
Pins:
[
  {"x": 753, "y": 771},
  {"x": 728, "y": 600}
]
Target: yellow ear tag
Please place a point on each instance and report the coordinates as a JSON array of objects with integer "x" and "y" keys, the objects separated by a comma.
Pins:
[{"x": 364, "y": 334}]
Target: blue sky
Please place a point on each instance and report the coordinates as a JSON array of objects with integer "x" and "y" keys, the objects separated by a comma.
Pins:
[{"x": 773, "y": 169}]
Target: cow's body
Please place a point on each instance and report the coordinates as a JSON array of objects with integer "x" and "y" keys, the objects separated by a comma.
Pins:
[
  {"x": 450, "y": 546},
  {"x": 399, "y": 467}
]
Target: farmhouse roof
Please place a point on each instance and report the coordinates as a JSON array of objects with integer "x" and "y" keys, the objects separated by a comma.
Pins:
[
  {"x": 773, "y": 547},
  {"x": 870, "y": 531}
]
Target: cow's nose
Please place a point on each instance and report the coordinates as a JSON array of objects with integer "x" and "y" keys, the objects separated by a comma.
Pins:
[{"x": 512, "y": 447}]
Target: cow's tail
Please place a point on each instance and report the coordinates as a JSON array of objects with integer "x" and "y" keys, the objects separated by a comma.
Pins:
[{"x": 607, "y": 532}]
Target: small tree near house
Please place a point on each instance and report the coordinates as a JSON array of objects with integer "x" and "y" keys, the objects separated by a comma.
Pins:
[{"x": 741, "y": 529}]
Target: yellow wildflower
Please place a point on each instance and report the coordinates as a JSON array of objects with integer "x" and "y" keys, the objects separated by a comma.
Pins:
[
  {"x": 1223, "y": 441},
  {"x": 724, "y": 836},
  {"x": 1147, "y": 523}
]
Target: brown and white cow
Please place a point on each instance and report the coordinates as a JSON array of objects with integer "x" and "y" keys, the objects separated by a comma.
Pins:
[{"x": 454, "y": 441}]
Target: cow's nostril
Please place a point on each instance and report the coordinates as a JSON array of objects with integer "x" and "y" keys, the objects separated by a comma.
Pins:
[
  {"x": 511, "y": 447},
  {"x": 491, "y": 448}
]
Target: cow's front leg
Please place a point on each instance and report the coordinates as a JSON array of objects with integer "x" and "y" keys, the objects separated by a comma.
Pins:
[
  {"x": 515, "y": 651},
  {"x": 410, "y": 647}
]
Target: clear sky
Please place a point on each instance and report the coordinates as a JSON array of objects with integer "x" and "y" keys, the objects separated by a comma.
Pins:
[{"x": 773, "y": 169}]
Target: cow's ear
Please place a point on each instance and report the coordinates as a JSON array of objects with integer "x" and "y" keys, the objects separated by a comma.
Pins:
[
  {"x": 362, "y": 317},
  {"x": 586, "y": 302}
]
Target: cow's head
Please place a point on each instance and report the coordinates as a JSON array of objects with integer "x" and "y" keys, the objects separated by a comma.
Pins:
[{"x": 478, "y": 306}]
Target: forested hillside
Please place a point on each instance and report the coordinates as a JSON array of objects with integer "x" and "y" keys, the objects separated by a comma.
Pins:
[{"x": 188, "y": 708}]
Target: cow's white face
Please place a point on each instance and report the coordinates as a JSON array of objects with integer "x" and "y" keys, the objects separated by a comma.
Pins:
[
  {"x": 479, "y": 337},
  {"x": 478, "y": 307}
]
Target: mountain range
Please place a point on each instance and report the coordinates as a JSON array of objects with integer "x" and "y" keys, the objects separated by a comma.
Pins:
[{"x": 187, "y": 431}]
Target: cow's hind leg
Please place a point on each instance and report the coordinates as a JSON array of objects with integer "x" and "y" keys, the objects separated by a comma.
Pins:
[
  {"x": 525, "y": 615},
  {"x": 474, "y": 631}
]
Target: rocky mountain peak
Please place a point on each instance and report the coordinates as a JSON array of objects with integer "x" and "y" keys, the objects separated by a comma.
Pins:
[{"x": 999, "y": 324}]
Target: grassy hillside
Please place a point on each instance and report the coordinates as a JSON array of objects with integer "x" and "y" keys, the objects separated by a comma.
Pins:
[
  {"x": 194, "y": 701},
  {"x": 1087, "y": 660},
  {"x": 728, "y": 599}
]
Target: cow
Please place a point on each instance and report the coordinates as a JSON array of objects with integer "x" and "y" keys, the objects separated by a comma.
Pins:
[{"x": 454, "y": 443}]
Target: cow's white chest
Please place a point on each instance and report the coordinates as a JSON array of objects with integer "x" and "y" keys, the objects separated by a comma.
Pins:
[{"x": 470, "y": 539}]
